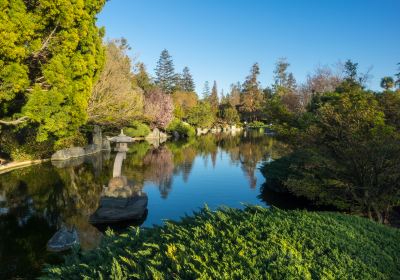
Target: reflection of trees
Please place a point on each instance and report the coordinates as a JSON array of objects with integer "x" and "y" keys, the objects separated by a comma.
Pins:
[
  {"x": 248, "y": 150},
  {"x": 159, "y": 167}
]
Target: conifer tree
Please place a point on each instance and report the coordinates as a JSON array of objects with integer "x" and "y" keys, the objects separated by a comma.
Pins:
[
  {"x": 50, "y": 55},
  {"x": 165, "y": 72},
  {"x": 206, "y": 90},
  {"x": 214, "y": 101},
  {"x": 142, "y": 79},
  {"x": 187, "y": 82},
  {"x": 252, "y": 96}
]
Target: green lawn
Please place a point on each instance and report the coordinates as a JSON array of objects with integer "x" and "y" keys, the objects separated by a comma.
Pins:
[{"x": 255, "y": 243}]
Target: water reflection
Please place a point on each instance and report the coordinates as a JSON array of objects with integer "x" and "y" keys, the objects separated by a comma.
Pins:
[
  {"x": 91, "y": 193},
  {"x": 121, "y": 200}
]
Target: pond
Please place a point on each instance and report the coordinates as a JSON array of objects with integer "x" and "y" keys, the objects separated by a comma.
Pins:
[{"x": 174, "y": 180}]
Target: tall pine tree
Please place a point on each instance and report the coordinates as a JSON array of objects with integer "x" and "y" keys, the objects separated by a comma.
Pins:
[
  {"x": 165, "y": 72},
  {"x": 206, "y": 90},
  {"x": 187, "y": 83},
  {"x": 214, "y": 101},
  {"x": 252, "y": 97}
]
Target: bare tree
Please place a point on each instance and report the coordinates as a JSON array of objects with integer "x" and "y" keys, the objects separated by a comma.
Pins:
[{"x": 323, "y": 79}]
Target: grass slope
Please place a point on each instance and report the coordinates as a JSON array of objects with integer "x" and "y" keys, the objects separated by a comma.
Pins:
[{"x": 255, "y": 243}]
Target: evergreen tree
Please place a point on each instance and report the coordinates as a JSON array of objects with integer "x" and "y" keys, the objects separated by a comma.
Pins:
[
  {"x": 165, "y": 72},
  {"x": 252, "y": 96},
  {"x": 50, "y": 55},
  {"x": 187, "y": 82},
  {"x": 291, "y": 82},
  {"x": 280, "y": 73},
  {"x": 351, "y": 71},
  {"x": 206, "y": 90},
  {"x": 214, "y": 101},
  {"x": 142, "y": 79}
]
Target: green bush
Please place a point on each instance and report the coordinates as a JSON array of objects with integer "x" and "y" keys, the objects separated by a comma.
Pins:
[
  {"x": 254, "y": 243},
  {"x": 256, "y": 124},
  {"x": 137, "y": 129},
  {"x": 184, "y": 129},
  {"x": 22, "y": 145}
]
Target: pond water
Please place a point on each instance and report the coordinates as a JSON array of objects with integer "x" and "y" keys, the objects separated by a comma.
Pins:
[{"x": 175, "y": 179}]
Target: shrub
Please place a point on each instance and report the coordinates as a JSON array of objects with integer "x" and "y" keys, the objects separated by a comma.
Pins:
[
  {"x": 254, "y": 243},
  {"x": 137, "y": 129},
  {"x": 256, "y": 124},
  {"x": 22, "y": 145},
  {"x": 184, "y": 129}
]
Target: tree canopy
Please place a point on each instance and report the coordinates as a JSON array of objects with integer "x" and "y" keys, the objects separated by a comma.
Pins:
[{"x": 50, "y": 56}]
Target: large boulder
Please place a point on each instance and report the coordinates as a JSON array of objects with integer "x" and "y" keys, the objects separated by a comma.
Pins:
[
  {"x": 68, "y": 153},
  {"x": 118, "y": 209},
  {"x": 63, "y": 240}
]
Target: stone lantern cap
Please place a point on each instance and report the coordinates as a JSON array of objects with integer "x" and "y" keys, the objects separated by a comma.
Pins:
[{"x": 121, "y": 138}]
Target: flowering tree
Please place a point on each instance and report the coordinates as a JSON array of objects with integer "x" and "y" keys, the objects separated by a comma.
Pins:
[{"x": 158, "y": 108}]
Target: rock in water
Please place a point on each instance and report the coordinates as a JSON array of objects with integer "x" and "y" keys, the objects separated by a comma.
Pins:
[
  {"x": 68, "y": 153},
  {"x": 118, "y": 209},
  {"x": 63, "y": 240}
]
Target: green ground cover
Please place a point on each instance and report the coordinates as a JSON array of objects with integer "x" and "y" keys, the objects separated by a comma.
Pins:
[{"x": 254, "y": 243}]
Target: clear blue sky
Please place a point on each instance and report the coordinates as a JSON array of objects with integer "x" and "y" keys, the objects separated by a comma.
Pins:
[{"x": 220, "y": 39}]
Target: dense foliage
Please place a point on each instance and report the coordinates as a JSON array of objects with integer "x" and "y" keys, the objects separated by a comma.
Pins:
[
  {"x": 346, "y": 149},
  {"x": 115, "y": 99},
  {"x": 182, "y": 128},
  {"x": 50, "y": 55},
  {"x": 254, "y": 243}
]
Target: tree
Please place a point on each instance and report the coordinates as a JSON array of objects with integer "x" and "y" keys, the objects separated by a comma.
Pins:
[
  {"x": 351, "y": 70},
  {"x": 158, "y": 108},
  {"x": 350, "y": 157},
  {"x": 321, "y": 81},
  {"x": 141, "y": 78},
  {"x": 230, "y": 115},
  {"x": 49, "y": 58},
  {"x": 397, "y": 75},
  {"x": 280, "y": 73},
  {"x": 390, "y": 103},
  {"x": 187, "y": 82},
  {"x": 114, "y": 100},
  {"x": 285, "y": 86},
  {"x": 183, "y": 102},
  {"x": 201, "y": 115},
  {"x": 352, "y": 76},
  {"x": 234, "y": 95},
  {"x": 165, "y": 73},
  {"x": 213, "y": 99},
  {"x": 252, "y": 96},
  {"x": 206, "y": 90},
  {"x": 387, "y": 83}
]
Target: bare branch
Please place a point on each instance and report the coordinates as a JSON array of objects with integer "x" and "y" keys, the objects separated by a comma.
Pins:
[
  {"x": 45, "y": 43},
  {"x": 14, "y": 122}
]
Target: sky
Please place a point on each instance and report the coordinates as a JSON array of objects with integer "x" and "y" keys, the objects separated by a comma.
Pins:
[{"x": 220, "y": 39}]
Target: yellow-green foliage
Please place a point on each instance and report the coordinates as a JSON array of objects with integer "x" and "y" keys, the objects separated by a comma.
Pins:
[
  {"x": 184, "y": 129},
  {"x": 137, "y": 129},
  {"x": 254, "y": 243},
  {"x": 50, "y": 53}
]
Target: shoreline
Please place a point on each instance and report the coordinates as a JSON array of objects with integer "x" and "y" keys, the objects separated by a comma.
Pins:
[{"x": 20, "y": 164}]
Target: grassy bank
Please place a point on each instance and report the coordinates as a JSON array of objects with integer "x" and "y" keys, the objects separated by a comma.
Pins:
[{"x": 255, "y": 243}]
